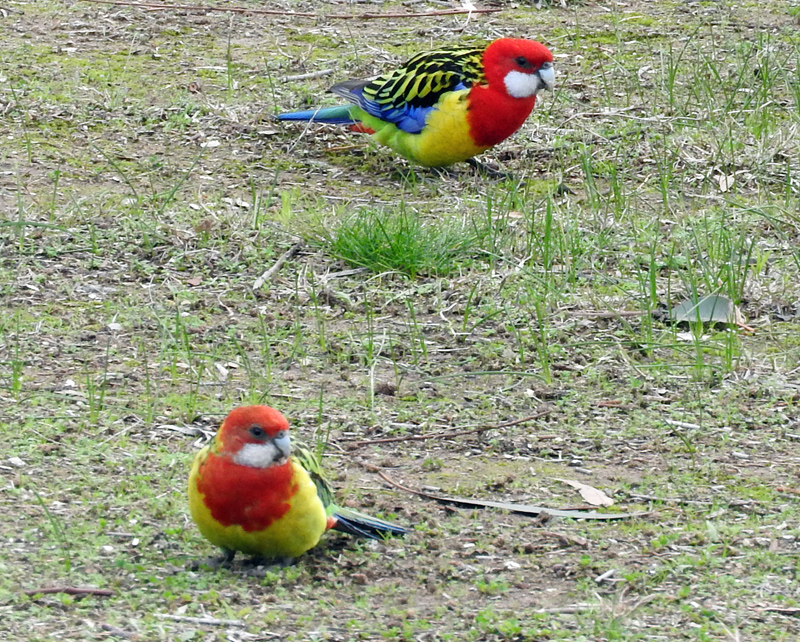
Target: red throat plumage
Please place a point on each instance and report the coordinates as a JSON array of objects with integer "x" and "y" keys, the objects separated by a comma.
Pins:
[
  {"x": 253, "y": 498},
  {"x": 235, "y": 494}
]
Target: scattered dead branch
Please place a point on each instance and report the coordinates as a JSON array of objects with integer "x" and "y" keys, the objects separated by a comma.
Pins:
[
  {"x": 289, "y": 14},
  {"x": 681, "y": 501},
  {"x": 524, "y": 509},
  {"x": 447, "y": 435},
  {"x": 269, "y": 274},
  {"x": 211, "y": 621},
  {"x": 594, "y": 314},
  {"x": 311, "y": 74},
  {"x": 794, "y": 611},
  {"x": 567, "y": 540},
  {"x": 115, "y": 630},
  {"x": 568, "y": 610},
  {"x": 70, "y": 590},
  {"x": 605, "y": 577}
]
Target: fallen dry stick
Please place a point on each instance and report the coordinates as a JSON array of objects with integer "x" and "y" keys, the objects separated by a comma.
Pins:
[
  {"x": 791, "y": 610},
  {"x": 267, "y": 276},
  {"x": 289, "y": 14},
  {"x": 447, "y": 435},
  {"x": 310, "y": 74},
  {"x": 783, "y": 489},
  {"x": 199, "y": 620},
  {"x": 524, "y": 509},
  {"x": 569, "y": 540},
  {"x": 70, "y": 590}
]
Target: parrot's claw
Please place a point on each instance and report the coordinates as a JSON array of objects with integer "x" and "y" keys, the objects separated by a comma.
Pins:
[
  {"x": 486, "y": 170},
  {"x": 223, "y": 561},
  {"x": 270, "y": 561},
  {"x": 259, "y": 566}
]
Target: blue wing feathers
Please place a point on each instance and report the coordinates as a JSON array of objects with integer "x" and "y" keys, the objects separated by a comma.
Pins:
[{"x": 407, "y": 117}]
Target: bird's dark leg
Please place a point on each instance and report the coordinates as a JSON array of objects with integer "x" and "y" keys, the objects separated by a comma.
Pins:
[
  {"x": 269, "y": 561},
  {"x": 223, "y": 561},
  {"x": 488, "y": 171},
  {"x": 258, "y": 566}
]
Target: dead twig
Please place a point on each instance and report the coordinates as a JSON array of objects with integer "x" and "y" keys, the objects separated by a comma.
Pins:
[
  {"x": 447, "y": 435},
  {"x": 311, "y": 74},
  {"x": 569, "y": 540},
  {"x": 115, "y": 630},
  {"x": 267, "y": 276},
  {"x": 199, "y": 620},
  {"x": 605, "y": 576},
  {"x": 577, "y": 608},
  {"x": 523, "y": 509},
  {"x": 70, "y": 590},
  {"x": 591, "y": 314},
  {"x": 681, "y": 501},
  {"x": 779, "y": 609},
  {"x": 289, "y": 14}
]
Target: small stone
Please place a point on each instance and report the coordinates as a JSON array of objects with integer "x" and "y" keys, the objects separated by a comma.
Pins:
[{"x": 385, "y": 388}]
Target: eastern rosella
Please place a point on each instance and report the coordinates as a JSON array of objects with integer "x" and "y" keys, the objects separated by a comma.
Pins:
[
  {"x": 250, "y": 491},
  {"x": 448, "y": 105}
]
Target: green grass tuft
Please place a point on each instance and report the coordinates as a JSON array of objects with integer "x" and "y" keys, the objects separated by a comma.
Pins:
[{"x": 401, "y": 240}]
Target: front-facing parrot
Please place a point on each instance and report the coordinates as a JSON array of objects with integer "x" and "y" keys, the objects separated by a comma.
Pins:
[{"x": 250, "y": 491}]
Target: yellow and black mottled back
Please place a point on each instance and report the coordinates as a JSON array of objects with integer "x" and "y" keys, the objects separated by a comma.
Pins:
[{"x": 419, "y": 82}]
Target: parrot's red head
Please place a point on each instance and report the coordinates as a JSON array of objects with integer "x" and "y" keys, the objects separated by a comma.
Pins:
[
  {"x": 255, "y": 436},
  {"x": 522, "y": 67}
]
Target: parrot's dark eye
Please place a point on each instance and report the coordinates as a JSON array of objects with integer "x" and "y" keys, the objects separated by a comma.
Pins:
[
  {"x": 523, "y": 62},
  {"x": 258, "y": 432}
]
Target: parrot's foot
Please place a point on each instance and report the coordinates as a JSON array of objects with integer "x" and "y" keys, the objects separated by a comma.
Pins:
[
  {"x": 223, "y": 561},
  {"x": 488, "y": 171},
  {"x": 259, "y": 566}
]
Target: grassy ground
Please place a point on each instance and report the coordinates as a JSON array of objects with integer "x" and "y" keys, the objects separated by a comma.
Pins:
[{"x": 144, "y": 189}]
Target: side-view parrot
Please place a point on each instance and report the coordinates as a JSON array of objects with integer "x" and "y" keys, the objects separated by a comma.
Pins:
[
  {"x": 251, "y": 491},
  {"x": 448, "y": 105}
]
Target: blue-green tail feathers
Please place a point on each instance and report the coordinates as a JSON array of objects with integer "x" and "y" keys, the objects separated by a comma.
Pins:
[
  {"x": 361, "y": 525},
  {"x": 347, "y": 520},
  {"x": 334, "y": 115}
]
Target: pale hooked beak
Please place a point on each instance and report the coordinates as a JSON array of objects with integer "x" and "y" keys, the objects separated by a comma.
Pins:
[
  {"x": 283, "y": 444},
  {"x": 548, "y": 75}
]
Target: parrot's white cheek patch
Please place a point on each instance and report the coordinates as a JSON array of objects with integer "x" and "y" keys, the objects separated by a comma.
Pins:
[
  {"x": 520, "y": 85},
  {"x": 260, "y": 456}
]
